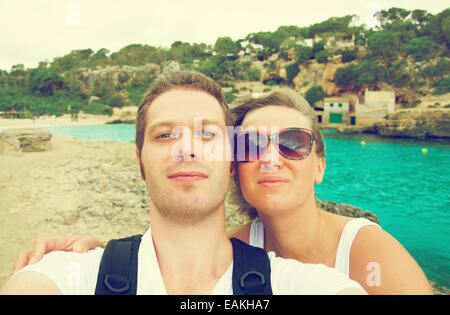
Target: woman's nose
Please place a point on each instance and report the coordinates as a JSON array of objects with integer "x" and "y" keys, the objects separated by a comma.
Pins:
[{"x": 270, "y": 160}]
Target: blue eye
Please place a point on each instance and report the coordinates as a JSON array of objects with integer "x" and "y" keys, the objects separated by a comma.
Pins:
[
  {"x": 167, "y": 135},
  {"x": 206, "y": 134}
]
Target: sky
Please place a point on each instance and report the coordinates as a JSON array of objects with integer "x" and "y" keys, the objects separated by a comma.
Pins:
[{"x": 39, "y": 30}]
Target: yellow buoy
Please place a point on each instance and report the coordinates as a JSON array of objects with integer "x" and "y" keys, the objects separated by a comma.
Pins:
[
  {"x": 424, "y": 150},
  {"x": 363, "y": 143}
]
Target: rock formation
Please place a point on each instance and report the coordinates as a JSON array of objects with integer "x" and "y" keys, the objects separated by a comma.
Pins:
[
  {"x": 124, "y": 115},
  {"x": 418, "y": 123},
  {"x": 16, "y": 140},
  {"x": 413, "y": 123}
]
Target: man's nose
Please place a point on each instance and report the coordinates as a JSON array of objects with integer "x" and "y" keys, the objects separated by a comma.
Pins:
[{"x": 191, "y": 149}]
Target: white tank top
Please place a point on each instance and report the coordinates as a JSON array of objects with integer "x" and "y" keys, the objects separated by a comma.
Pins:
[{"x": 342, "y": 262}]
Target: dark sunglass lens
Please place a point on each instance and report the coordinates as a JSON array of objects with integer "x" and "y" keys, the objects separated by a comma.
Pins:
[
  {"x": 294, "y": 143},
  {"x": 250, "y": 146}
]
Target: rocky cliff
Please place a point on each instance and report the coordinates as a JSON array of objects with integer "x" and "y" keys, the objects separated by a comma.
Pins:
[{"x": 422, "y": 123}]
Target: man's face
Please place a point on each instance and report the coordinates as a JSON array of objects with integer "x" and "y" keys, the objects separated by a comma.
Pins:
[{"x": 182, "y": 185}]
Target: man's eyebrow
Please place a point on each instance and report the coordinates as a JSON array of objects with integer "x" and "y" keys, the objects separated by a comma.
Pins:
[
  {"x": 212, "y": 122},
  {"x": 162, "y": 123},
  {"x": 171, "y": 123}
]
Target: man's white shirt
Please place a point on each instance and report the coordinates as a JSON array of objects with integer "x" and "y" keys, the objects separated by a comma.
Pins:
[{"x": 75, "y": 273}]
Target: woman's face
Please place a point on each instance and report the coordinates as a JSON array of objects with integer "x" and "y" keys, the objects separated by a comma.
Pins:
[{"x": 275, "y": 184}]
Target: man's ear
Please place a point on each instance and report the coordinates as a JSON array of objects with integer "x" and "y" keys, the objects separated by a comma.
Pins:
[
  {"x": 320, "y": 170},
  {"x": 141, "y": 168}
]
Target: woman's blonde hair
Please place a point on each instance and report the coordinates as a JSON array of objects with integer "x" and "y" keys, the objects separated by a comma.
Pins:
[{"x": 285, "y": 97}]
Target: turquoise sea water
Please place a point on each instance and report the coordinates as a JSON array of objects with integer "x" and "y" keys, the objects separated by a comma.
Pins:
[{"x": 406, "y": 189}]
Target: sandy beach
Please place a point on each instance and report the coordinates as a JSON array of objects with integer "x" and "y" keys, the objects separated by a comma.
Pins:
[{"x": 61, "y": 121}]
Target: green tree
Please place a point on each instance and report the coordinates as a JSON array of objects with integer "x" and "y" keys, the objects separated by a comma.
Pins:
[
  {"x": 322, "y": 56},
  {"x": 210, "y": 69},
  {"x": 225, "y": 46},
  {"x": 100, "y": 58},
  {"x": 420, "y": 17},
  {"x": 314, "y": 94},
  {"x": 304, "y": 54},
  {"x": 394, "y": 14},
  {"x": 397, "y": 75},
  {"x": 44, "y": 81},
  {"x": 332, "y": 25},
  {"x": 318, "y": 47},
  {"x": 270, "y": 41},
  {"x": 436, "y": 71},
  {"x": 246, "y": 72},
  {"x": 422, "y": 48},
  {"x": 285, "y": 32},
  {"x": 346, "y": 77},
  {"x": 384, "y": 44},
  {"x": 369, "y": 73},
  {"x": 291, "y": 72},
  {"x": 75, "y": 59},
  {"x": 348, "y": 55},
  {"x": 438, "y": 28},
  {"x": 442, "y": 86}
]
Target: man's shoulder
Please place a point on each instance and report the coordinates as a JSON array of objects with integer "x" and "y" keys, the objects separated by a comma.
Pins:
[
  {"x": 290, "y": 276},
  {"x": 67, "y": 272}
]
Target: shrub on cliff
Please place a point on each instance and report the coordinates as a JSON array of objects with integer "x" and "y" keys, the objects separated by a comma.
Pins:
[
  {"x": 291, "y": 72},
  {"x": 97, "y": 108},
  {"x": 314, "y": 94},
  {"x": 442, "y": 86}
]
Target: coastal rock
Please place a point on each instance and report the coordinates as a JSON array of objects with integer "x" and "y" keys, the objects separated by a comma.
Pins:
[
  {"x": 16, "y": 140},
  {"x": 417, "y": 123},
  {"x": 346, "y": 210},
  {"x": 124, "y": 115},
  {"x": 348, "y": 130},
  {"x": 414, "y": 123}
]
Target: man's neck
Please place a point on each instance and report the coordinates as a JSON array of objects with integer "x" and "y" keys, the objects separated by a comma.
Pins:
[{"x": 193, "y": 257}]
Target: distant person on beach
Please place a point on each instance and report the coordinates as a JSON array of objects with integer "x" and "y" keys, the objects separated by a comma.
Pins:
[
  {"x": 276, "y": 189},
  {"x": 186, "y": 249}
]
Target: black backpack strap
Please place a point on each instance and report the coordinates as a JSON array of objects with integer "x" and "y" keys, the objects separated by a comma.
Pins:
[
  {"x": 118, "y": 267},
  {"x": 251, "y": 269}
]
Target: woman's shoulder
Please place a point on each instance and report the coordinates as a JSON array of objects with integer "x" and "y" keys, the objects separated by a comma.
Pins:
[
  {"x": 380, "y": 262},
  {"x": 241, "y": 232}
]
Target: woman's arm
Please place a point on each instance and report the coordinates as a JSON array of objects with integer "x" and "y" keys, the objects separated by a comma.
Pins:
[{"x": 383, "y": 266}]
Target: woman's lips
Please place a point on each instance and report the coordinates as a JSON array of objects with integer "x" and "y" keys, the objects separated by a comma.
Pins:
[
  {"x": 272, "y": 181},
  {"x": 187, "y": 177}
]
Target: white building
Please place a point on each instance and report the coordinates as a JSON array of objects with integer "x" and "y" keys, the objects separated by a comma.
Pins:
[
  {"x": 377, "y": 105},
  {"x": 380, "y": 99},
  {"x": 336, "y": 110}
]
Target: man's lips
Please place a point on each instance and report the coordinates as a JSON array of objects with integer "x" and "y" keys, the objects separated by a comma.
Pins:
[
  {"x": 187, "y": 177},
  {"x": 272, "y": 181}
]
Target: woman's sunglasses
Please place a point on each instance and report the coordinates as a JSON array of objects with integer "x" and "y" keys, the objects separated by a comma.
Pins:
[{"x": 292, "y": 143}]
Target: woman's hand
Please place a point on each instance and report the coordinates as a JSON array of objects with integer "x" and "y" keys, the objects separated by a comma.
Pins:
[{"x": 45, "y": 245}]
